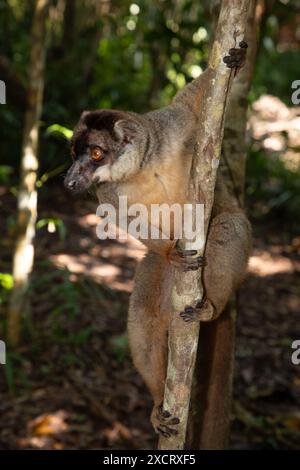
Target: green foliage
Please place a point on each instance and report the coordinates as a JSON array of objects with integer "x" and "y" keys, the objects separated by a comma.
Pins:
[
  {"x": 53, "y": 225},
  {"x": 15, "y": 372},
  {"x": 81, "y": 336},
  {"x": 9, "y": 374},
  {"x": 6, "y": 281},
  {"x": 136, "y": 56},
  {"x": 278, "y": 53},
  {"x": 60, "y": 131},
  {"x": 120, "y": 346},
  {"x": 133, "y": 58},
  {"x": 5, "y": 174},
  {"x": 272, "y": 189},
  {"x": 6, "y": 284},
  {"x": 63, "y": 298},
  {"x": 57, "y": 285},
  {"x": 51, "y": 174},
  {"x": 284, "y": 67}
]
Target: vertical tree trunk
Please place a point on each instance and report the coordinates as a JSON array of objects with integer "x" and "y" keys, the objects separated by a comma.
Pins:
[
  {"x": 212, "y": 391},
  {"x": 209, "y": 421},
  {"x": 27, "y": 197},
  {"x": 183, "y": 339}
]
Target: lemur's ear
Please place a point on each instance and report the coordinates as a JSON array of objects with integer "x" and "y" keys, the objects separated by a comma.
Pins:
[
  {"x": 84, "y": 114},
  {"x": 126, "y": 130}
]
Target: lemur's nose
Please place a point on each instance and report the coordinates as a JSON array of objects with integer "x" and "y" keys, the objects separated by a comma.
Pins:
[{"x": 71, "y": 184}]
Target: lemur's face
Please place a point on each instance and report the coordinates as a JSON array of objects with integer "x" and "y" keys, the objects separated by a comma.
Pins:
[{"x": 95, "y": 146}]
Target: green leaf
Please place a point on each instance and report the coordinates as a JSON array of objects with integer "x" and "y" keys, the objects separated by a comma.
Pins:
[
  {"x": 6, "y": 281},
  {"x": 60, "y": 131}
]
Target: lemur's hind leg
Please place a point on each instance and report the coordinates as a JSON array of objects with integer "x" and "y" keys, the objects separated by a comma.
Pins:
[
  {"x": 226, "y": 254},
  {"x": 148, "y": 329}
]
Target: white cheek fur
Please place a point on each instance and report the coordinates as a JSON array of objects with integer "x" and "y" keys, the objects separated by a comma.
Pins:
[
  {"x": 126, "y": 164},
  {"x": 102, "y": 174}
]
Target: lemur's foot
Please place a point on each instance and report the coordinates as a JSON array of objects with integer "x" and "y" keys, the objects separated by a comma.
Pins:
[
  {"x": 185, "y": 259},
  {"x": 203, "y": 311},
  {"x": 237, "y": 56},
  {"x": 163, "y": 422}
]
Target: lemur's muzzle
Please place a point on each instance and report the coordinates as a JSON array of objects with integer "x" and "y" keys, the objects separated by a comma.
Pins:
[{"x": 76, "y": 179}]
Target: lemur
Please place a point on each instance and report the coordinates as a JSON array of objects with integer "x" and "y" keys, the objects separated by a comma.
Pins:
[{"x": 148, "y": 157}]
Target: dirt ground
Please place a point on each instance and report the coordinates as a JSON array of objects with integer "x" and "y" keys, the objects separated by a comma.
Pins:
[{"x": 72, "y": 385}]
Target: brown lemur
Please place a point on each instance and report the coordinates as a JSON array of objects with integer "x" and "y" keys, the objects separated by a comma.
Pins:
[{"x": 147, "y": 157}]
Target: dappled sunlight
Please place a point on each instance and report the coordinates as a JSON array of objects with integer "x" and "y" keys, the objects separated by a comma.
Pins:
[
  {"x": 264, "y": 263},
  {"x": 43, "y": 431},
  {"x": 128, "y": 244},
  {"x": 276, "y": 128},
  {"x": 89, "y": 266},
  {"x": 102, "y": 260},
  {"x": 50, "y": 423}
]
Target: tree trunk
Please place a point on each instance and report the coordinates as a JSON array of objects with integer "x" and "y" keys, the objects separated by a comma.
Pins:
[
  {"x": 209, "y": 421},
  {"x": 212, "y": 390},
  {"x": 27, "y": 197},
  {"x": 183, "y": 338}
]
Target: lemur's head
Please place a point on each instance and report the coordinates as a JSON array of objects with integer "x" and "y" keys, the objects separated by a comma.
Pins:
[{"x": 106, "y": 146}]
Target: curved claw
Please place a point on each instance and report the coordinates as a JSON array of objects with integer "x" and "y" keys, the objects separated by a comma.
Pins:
[
  {"x": 243, "y": 45},
  {"x": 237, "y": 56},
  {"x": 203, "y": 311}
]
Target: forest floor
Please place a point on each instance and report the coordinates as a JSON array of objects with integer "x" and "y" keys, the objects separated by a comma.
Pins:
[{"x": 72, "y": 385}]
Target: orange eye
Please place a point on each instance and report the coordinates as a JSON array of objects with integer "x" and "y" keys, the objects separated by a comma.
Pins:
[
  {"x": 96, "y": 154},
  {"x": 73, "y": 154}
]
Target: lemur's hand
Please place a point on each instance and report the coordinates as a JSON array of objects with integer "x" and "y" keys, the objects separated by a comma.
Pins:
[
  {"x": 237, "y": 56},
  {"x": 185, "y": 259}
]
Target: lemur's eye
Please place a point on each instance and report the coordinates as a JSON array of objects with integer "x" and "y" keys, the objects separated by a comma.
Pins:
[
  {"x": 96, "y": 153},
  {"x": 73, "y": 154}
]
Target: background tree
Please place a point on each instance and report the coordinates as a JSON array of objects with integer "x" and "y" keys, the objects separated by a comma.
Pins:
[{"x": 27, "y": 197}]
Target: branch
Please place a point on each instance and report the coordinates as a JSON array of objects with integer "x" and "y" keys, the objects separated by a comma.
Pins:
[
  {"x": 183, "y": 338},
  {"x": 234, "y": 147},
  {"x": 209, "y": 419}
]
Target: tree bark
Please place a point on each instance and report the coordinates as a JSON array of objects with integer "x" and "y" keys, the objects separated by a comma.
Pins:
[
  {"x": 212, "y": 390},
  {"x": 209, "y": 421},
  {"x": 27, "y": 196},
  {"x": 183, "y": 338}
]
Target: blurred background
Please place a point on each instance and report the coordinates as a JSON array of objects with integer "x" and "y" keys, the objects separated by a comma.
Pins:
[{"x": 69, "y": 382}]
